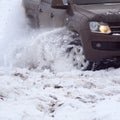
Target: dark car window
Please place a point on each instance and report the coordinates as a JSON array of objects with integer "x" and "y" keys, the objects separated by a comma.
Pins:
[{"x": 95, "y": 1}]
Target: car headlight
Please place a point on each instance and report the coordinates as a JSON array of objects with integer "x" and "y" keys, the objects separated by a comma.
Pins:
[{"x": 99, "y": 27}]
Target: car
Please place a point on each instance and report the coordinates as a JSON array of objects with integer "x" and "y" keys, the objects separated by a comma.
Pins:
[{"x": 95, "y": 23}]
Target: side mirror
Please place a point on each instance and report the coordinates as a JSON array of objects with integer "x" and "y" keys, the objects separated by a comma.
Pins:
[{"x": 59, "y": 4}]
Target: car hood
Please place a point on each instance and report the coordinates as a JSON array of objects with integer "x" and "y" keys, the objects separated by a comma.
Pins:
[
  {"x": 100, "y": 12},
  {"x": 102, "y": 8}
]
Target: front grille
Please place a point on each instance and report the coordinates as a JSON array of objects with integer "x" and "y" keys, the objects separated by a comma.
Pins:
[{"x": 115, "y": 27}]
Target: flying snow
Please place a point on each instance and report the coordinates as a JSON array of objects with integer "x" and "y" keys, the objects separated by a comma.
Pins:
[{"x": 22, "y": 46}]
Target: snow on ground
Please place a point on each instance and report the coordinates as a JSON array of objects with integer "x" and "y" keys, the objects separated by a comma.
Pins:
[
  {"x": 37, "y": 82},
  {"x": 32, "y": 95}
]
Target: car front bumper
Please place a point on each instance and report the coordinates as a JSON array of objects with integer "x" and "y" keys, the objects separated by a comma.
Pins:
[{"x": 100, "y": 46}]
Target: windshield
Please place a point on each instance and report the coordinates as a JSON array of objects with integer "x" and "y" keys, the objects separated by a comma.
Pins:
[{"x": 95, "y": 1}]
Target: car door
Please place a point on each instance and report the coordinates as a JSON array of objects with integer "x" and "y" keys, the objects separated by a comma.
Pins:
[{"x": 50, "y": 17}]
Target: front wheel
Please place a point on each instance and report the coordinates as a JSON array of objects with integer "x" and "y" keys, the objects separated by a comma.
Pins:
[{"x": 76, "y": 54}]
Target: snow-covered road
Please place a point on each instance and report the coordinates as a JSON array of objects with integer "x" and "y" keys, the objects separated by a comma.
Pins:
[
  {"x": 33, "y": 95},
  {"x": 55, "y": 90}
]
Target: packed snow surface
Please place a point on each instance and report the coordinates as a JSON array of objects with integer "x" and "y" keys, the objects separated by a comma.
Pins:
[{"x": 38, "y": 82}]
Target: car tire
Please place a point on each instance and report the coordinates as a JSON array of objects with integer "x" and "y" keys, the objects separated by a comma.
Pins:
[{"x": 76, "y": 54}]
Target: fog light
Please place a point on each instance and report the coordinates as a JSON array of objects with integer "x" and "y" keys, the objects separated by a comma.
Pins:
[{"x": 98, "y": 45}]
